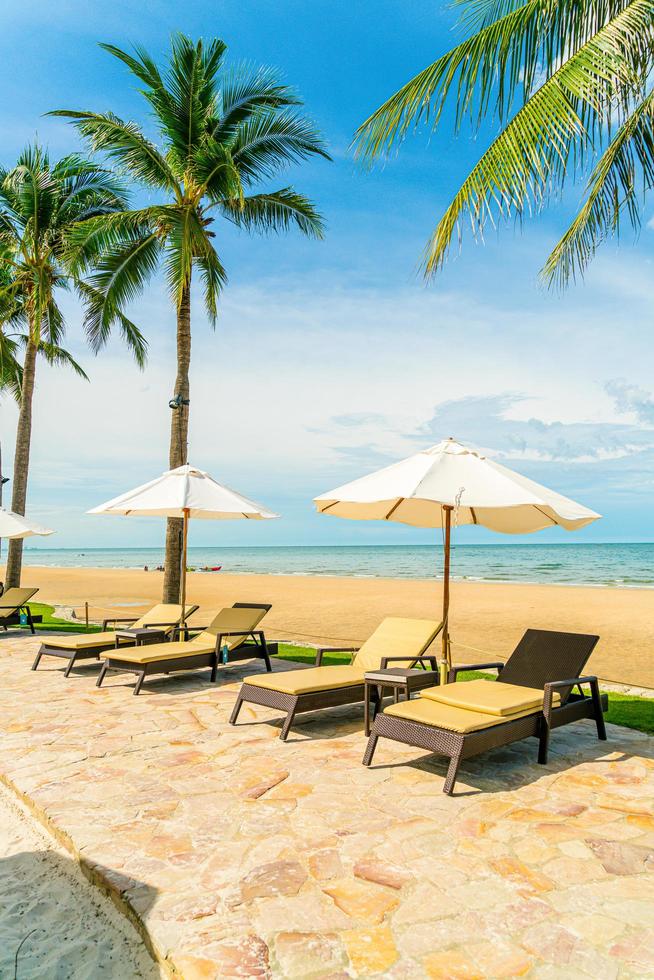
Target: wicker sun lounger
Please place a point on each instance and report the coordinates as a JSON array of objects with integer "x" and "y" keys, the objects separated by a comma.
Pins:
[
  {"x": 13, "y": 602},
  {"x": 232, "y": 635},
  {"x": 532, "y": 695},
  {"x": 397, "y": 641},
  {"x": 89, "y": 646}
]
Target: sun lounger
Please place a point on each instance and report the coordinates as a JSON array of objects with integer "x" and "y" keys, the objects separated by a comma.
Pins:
[
  {"x": 89, "y": 646},
  {"x": 233, "y": 635},
  {"x": 13, "y": 602},
  {"x": 402, "y": 642},
  {"x": 533, "y": 694}
]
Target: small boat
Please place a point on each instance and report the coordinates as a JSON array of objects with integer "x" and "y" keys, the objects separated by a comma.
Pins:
[{"x": 212, "y": 568}]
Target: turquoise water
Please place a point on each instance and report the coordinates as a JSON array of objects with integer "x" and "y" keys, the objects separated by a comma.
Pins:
[{"x": 622, "y": 565}]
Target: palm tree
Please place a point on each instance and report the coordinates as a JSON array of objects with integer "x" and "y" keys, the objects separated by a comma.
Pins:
[
  {"x": 569, "y": 82},
  {"x": 220, "y": 133},
  {"x": 40, "y": 205}
]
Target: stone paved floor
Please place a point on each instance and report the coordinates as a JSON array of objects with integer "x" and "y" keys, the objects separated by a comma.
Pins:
[{"x": 246, "y": 857}]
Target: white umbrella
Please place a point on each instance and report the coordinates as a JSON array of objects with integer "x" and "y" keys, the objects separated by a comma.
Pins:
[
  {"x": 426, "y": 489},
  {"x": 186, "y": 493},
  {"x": 16, "y": 526}
]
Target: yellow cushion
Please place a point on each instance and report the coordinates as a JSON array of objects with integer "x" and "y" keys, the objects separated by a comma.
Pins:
[
  {"x": 489, "y": 697},
  {"x": 164, "y": 612},
  {"x": 159, "y": 651},
  {"x": 461, "y": 720},
  {"x": 13, "y": 598},
  {"x": 228, "y": 620},
  {"x": 397, "y": 637},
  {"x": 82, "y": 641},
  {"x": 309, "y": 680}
]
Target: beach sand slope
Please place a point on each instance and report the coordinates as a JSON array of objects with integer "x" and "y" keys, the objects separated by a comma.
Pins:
[{"x": 53, "y": 922}]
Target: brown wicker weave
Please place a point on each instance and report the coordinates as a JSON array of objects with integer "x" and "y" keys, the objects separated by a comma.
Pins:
[
  {"x": 294, "y": 704},
  {"x": 255, "y": 646},
  {"x": 543, "y": 659}
]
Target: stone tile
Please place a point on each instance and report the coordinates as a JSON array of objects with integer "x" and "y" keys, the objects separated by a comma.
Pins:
[
  {"x": 501, "y": 959},
  {"x": 451, "y": 965},
  {"x": 308, "y": 954},
  {"x": 243, "y": 856},
  {"x": 370, "y": 951},
  {"x": 364, "y": 902},
  {"x": 276, "y": 878}
]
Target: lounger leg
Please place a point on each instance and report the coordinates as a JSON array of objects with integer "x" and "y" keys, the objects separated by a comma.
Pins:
[
  {"x": 140, "y": 680},
  {"x": 214, "y": 670},
  {"x": 370, "y": 749},
  {"x": 235, "y": 710},
  {"x": 30, "y": 620},
  {"x": 37, "y": 659},
  {"x": 101, "y": 675},
  {"x": 599, "y": 714},
  {"x": 71, "y": 664},
  {"x": 286, "y": 727},
  {"x": 265, "y": 654},
  {"x": 452, "y": 772},
  {"x": 543, "y": 743}
]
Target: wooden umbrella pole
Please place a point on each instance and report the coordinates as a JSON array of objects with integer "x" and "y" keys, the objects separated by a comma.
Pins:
[
  {"x": 445, "y": 635},
  {"x": 182, "y": 618}
]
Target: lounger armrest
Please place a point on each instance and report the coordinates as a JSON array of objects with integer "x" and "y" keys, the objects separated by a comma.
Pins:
[
  {"x": 322, "y": 650},
  {"x": 158, "y": 626},
  {"x": 385, "y": 661},
  {"x": 551, "y": 687},
  {"x": 221, "y": 636},
  {"x": 118, "y": 619},
  {"x": 14, "y": 606},
  {"x": 456, "y": 669}
]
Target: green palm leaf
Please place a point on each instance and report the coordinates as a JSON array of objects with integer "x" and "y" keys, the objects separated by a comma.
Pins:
[
  {"x": 276, "y": 211},
  {"x": 618, "y": 183}
]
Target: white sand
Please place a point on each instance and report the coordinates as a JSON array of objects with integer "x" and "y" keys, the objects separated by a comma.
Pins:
[{"x": 67, "y": 928}]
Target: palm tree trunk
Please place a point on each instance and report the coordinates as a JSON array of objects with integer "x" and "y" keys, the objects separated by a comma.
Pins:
[
  {"x": 21, "y": 462},
  {"x": 178, "y": 445}
]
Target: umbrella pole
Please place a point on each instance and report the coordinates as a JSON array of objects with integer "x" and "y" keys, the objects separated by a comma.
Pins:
[
  {"x": 445, "y": 634},
  {"x": 182, "y": 618}
]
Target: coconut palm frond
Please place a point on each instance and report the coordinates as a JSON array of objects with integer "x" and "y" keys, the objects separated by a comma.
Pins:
[
  {"x": 269, "y": 141},
  {"x": 124, "y": 143},
  {"x": 547, "y": 138},
  {"x": 501, "y": 64},
  {"x": 622, "y": 176},
  {"x": 59, "y": 357},
  {"x": 276, "y": 211}
]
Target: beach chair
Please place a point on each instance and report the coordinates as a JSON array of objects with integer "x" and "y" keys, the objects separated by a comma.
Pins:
[
  {"x": 89, "y": 646},
  {"x": 13, "y": 602},
  {"x": 231, "y": 636},
  {"x": 402, "y": 642},
  {"x": 532, "y": 695}
]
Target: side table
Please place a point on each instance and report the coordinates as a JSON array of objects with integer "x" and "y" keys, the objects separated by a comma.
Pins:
[
  {"x": 139, "y": 636},
  {"x": 401, "y": 680}
]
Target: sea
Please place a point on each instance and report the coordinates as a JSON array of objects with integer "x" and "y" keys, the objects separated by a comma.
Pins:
[{"x": 618, "y": 565}]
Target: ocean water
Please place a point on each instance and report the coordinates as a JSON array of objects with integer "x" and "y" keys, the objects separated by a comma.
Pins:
[{"x": 621, "y": 565}]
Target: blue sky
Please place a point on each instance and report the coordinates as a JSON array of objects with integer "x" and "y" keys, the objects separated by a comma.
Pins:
[{"x": 331, "y": 359}]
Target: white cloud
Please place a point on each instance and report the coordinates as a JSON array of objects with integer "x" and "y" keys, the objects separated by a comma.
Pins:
[{"x": 302, "y": 388}]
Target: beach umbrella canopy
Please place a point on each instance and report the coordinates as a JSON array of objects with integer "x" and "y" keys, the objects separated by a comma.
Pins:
[
  {"x": 450, "y": 480},
  {"x": 185, "y": 492},
  {"x": 16, "y": 526}
]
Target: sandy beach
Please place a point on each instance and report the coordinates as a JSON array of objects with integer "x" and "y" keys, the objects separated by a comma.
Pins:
[
  {"x": 45, "y": 896},
  {"x": 486, "y": 616}
]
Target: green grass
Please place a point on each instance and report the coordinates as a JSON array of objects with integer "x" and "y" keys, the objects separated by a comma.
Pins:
[
  {"x": 631, "y": 712},
  {"x": 52, "y": 623},
  {"x": 624, "y": 709}
]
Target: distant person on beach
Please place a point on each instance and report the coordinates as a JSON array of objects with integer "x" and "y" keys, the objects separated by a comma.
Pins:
[{"x": 145, "y": 568}]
